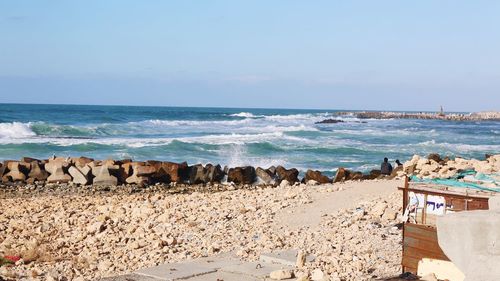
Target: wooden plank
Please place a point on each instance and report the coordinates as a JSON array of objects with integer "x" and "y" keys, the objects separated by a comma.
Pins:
[
  {"x": 410, "y": 264},
  {"x": 421, "y": 232},
  {"x": 439, "y": 192},
  {"x": 425, "y": 245},
  {"x": 460, "y": 204},
  {"x": 419, "y": 241},
  {"x": 420, "y": 253},
  {"x": 477, "y": 205}
]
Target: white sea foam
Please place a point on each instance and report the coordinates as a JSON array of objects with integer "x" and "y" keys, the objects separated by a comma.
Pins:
[
  {"x": 246, "y": 115},
  {"x": 221, "y": 139},
  {"x": 194, "y": 123},
  {"x": 15, "y": 130}
]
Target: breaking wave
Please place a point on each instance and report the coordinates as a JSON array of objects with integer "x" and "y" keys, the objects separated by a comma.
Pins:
[{"x": 15, "y": 130}]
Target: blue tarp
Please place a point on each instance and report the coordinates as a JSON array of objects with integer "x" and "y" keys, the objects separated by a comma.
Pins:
[{"x": 455, "y": 181}]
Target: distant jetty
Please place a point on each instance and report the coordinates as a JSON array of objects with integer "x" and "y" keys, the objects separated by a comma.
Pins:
[{"x": 476, "y": 116}]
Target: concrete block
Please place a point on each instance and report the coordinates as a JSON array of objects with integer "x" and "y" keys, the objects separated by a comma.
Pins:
[
  {"x": 494, "y": 203},
  {"x": 176, "y": 271},
  {"x": 287, "y": 257},
  {"x": 471, "y": 240},
  {"x": 226, "y": 276},
  {"x": 253, "y": 269}
]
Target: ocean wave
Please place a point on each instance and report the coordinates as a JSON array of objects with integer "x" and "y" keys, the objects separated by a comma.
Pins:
[
  {"x": 37, "y": 132},
  {"x": 16, "y": 130},
  {"x": 246, "y": 115},
  {"x": 298, "y": 117},
  {"x": 383, "y": 132},
  {"x": 193, "y": 123},
  {"x": 467, "y": 148},
  {"x": 217, "y": 139}
]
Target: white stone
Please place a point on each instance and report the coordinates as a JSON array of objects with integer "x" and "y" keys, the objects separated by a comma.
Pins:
[
  {"x": 317, "y": 275},
  {"x": 282, "y": 274}
]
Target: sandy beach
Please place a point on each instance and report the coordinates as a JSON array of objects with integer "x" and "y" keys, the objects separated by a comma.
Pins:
[{"x": 349, "y": 227}]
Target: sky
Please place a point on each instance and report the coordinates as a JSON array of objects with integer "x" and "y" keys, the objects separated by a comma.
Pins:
[{"x": 381, "y": 55}]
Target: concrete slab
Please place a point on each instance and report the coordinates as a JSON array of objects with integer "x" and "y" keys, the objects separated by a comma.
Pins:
[
  {"x": 129, "y": 277},
  {"x": 286, "y": 257},
  {"x": 258, "y": 270},
  {"x": 225, "y": 276},
  {"x": 217, "y": 262},
  {"x": 176, "y": 271}
]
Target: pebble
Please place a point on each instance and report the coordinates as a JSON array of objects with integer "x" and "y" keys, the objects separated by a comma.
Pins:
[{"x": 282, "y": 274}]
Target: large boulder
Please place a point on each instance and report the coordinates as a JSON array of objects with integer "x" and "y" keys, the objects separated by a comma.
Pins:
[
  {"x": 241, "y": 175},
  {"x": 177, "y": 172},
  {"x": 140, "y": 174},
  {"x": 434, "y": 156},
  {"x": 197, "y": 174},
  {"x": 355, "y": 175},
  {"x": 213, "y": 173},
  {"x": 341, "y": 175},
  {"x": 265, "y": 176},
  {"x": 124, "y": 171},
  {"x": 80, "y": 177},
  {"x": 316, "y": 176},
  {"x": 16, "y": 171},
  {"x": 144, "y": 170},
  {"x": 102, "y": 173},
  {"x": 29, "y": 160},
  {"x": 80, "y": 162},
  {"x": 372, "y": 175},
  {"x": 55, "y": 162},
  {"x": 58, "y": 175},
  {"x": 37, "y": 173},
  {"x": 291, "y": 175},
  {"x": 395, "y": 171},
  {"x": 57, "y": 167}
]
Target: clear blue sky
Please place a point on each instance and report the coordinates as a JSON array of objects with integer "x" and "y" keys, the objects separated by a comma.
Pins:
[{"x": 398, "y": 55}]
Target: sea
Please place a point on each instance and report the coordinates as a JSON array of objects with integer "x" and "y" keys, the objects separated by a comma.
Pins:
[{"x": 234, "y": 136}]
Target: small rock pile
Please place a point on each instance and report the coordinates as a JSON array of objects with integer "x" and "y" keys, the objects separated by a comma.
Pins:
[{"x": 433, "y": 166}]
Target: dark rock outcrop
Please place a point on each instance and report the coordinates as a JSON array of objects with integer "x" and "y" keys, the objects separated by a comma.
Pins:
[
  {"x": 197, "y": 174},
  {"x": 316, "y": 176},
  {"x": 330, "y": 121},
  {"x": 342, "y": 174},
  {"x": 241, "y": 175},
  {"x": 372, "y": 175},
  {"x": 434, "y": 156},
  {"x": 177, "y": 172},
  {"x": 213, "y": 173},
  {"x": 290, "y": 175},
  {"x": 265, "y": 175},
  {"x": 37, "y": 172}
]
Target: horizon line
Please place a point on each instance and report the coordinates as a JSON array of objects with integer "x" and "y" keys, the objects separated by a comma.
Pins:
[{"x": 231, "y": 107}]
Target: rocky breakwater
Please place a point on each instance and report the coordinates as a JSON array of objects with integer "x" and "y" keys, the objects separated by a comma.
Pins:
[
  {"x": 83, "y": 171},
  {"x": 476, "y": 116},
  {"x": 434, "y": 166}
]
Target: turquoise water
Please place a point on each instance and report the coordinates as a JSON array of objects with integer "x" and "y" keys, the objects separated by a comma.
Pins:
[{"x": 232, "y": 136}]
